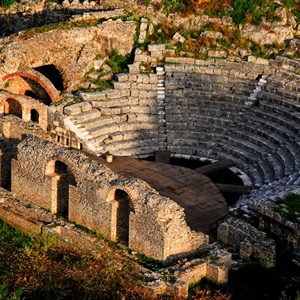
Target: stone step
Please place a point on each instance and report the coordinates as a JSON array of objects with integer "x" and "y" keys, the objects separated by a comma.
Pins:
[
  {"x": 126, "y": 144},
  {"x": 103, "y": 121},
  {"x": 100, "y": 133},
  {"x": 292, "y": 116},
  {"x": 280, "y": 124},
  {"x": 135, "y": 151},
  {"x": 281, "y": 101},
  {"x": 85, "y": 116}
]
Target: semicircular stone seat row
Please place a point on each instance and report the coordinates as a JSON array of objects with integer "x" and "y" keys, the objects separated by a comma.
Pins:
[{"x": 203, "y": 114}]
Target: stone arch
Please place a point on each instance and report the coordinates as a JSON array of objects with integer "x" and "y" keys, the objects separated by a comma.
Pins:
[
  {"x": 62, "y": 182},
  {"x": 34, "y": 115},
  {"x": 36, "y": 79},
  {"x": 13, "y": 107},
  {"x": 121, "y": 209}
]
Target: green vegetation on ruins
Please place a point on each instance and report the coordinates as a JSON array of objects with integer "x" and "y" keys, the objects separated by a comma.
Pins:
[
  {"x": 116, "y": 64},
  {"x": 7, "y": 3},
  {"x": 43, "y": 268},
  {"x": 289, "y": 208},
  {"x": 227, "y": 39}
]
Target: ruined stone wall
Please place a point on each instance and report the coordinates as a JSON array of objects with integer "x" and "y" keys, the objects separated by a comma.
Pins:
[
  {"x": 71, "y": 51},
  {"x": 173, "y": 279},
  {"x": 27, "y": 14},
  {"x": 27, "y": 104},
  {"x": 285, "y": 231},
  {"x": 157, "y": 227},
  {"x": 8, "y": 151},
  {"x": 249, "y": 241}
]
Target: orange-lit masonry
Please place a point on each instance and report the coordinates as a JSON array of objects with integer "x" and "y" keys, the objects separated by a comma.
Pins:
[{"x": 202, "y": 202}]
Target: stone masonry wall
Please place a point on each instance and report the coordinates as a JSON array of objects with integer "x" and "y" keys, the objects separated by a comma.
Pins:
[
  {"x": 27, "y": 104},
  {"x": 249, "y": 241},
  {"x": 157, "y": 226},
  {"x": 30, "y": 218},
  {"x": 287, "y": 232},
  {"x": 71, "y": 51}
]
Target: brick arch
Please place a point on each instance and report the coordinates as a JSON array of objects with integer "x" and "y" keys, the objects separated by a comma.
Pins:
[
  {"x": 111, "y": 192},
  {"x": 62, "y": 181},
  {"x": 51, "y": 164},
  {"x": 122, "y": 208},
  {"x": 39, "y": 78},
  {"x": 14, "y": 99}
]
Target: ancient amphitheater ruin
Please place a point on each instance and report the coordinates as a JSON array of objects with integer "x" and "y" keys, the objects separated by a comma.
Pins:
[{"x": 238, "y": 114}]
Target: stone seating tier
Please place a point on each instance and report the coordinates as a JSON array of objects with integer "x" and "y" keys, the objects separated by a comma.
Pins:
[
  {"x": 265, "y": 142},
  {"x": 238, "y": 149},
  {"x": 198, "y": 107},
  {"x": 281, "y": 101},
  {"x": 219, "y": 67},
  {"x": 247, "y": 136}
]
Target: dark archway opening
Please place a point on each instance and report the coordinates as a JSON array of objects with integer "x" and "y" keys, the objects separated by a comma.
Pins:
[
  {"x": 34, "y": 116},
  {"x": 53, "y": 75},
  {"x": 66, "y": 179},
  {"x": 37, "y": 92},
  {"x": 125, "y": 206},
  {"x": 31, "y": 94},
  {"x": 12, "y": 107}
]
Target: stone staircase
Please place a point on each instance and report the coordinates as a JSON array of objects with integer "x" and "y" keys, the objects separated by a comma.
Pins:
[
  {"x": 125, "y": 120},
  {"x": 253, "y": 98}
]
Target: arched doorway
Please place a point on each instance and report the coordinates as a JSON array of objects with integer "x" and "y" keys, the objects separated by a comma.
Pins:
[
  {"x": 12, "y": 107},
  {"x": 34, "y": 116},
  {"x": 61, "y": 181},
  {"x": 122, "y": 207}
]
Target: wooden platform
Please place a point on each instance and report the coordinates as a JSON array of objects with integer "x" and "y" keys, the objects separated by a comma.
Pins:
[
  {"x": 214, "y": 167},
  {"x": 202, "y": 202}
]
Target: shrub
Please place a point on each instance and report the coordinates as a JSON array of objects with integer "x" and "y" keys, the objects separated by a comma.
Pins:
[
  {"x": 214, "y": 8},
  {"x": 117, "y": 62},
  {"x": 289, "y": 207},
  {"x": 170, "y": 6},
  {"x": 243, "y": 9},
  {"x": 7, "y": 3}
]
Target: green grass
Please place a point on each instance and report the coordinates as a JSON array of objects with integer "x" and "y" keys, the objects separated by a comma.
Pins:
[
  {"x": 7, "y": 3},
  {"x": 119, "y": 63},
  {"x": 289, "y": 207},
  {"x": 43, "y": 268},
  {"x": 11, "y": 237}
]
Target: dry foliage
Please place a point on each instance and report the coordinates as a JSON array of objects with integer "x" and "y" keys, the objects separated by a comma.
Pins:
[
  {"x": 212, "y": 5},
  {"x": 57, "y": 272},
  {"x": 208, "y": 295}
]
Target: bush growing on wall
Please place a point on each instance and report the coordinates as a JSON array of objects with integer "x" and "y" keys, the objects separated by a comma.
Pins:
[
  {"x": 7, "y": 3},
  {"x": 244, "y": 9},
  {"x": 170, "y": 6}
]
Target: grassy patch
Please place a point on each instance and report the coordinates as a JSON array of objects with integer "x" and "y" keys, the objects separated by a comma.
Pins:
[
  {"x": 289, "y": 207},
  {"x": 170, "y": 6},
  {"x": 45, "y": 269},
  {"x": 7, "y": 3},
  {"x": 148, "y": 262},
  {"x": 118, "y": 62},
  {"x": 13, "y": 238}
]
